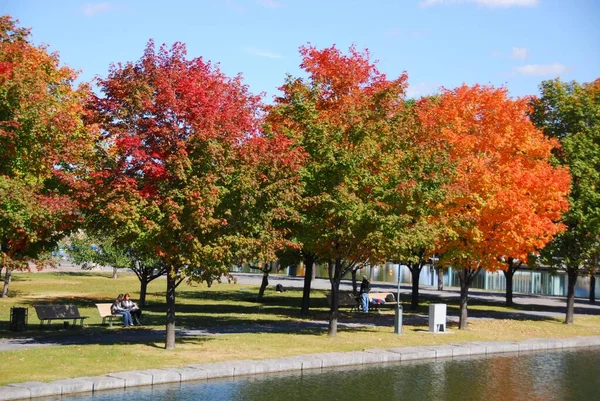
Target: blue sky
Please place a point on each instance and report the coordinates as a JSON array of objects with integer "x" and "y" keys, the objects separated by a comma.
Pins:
[{"x": 515, "y": 43}]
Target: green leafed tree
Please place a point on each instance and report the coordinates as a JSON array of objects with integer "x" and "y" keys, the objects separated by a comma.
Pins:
[
  {"x": 360, "y": 186},
  {"x": 92, "y": 251},
  {"x": 570, "y": 112}
]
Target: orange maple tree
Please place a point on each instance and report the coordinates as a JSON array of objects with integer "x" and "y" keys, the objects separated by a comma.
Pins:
[{"x": 507, "y": 198}]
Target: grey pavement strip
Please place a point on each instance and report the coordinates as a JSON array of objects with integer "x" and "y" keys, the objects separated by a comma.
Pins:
[
  {"x": 122, "y": 380},
  {"x": 530, "y": 305}
]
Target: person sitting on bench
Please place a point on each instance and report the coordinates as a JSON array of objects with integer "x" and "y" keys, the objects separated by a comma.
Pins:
[
  {"x": 133, "y": 309},
  {"x": 377, "y": 302},
  {"x": 117, "y": 309}
]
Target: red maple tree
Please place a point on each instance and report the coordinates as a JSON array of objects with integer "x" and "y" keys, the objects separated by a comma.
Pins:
[{"x": 184, "y": 174}]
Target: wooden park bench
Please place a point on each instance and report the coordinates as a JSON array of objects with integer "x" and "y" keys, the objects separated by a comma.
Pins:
[
  {"x": 105, "y": 313},
  {"x": 47, "y": 313},
  {"x": 346, "y": 299}
]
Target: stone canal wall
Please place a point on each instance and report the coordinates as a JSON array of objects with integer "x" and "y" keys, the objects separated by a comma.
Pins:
[{"x": 149, "y": 377}]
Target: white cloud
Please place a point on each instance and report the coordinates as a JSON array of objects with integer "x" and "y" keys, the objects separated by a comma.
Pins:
[
  {"x": 421, "y": 89},
  {"x": 262, "y": 53},
  {"x": 234, "y": 6},
  {"x": 553, "y": 69},
  {"x": 91, "y": 9},
  {"x": 520, "y": 53},
  {"x": 270, "y": 3},
  {"x": 486, "y": 3}
]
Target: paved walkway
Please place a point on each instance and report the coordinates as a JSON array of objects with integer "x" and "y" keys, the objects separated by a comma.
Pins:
[{"x": 527, "y": 307}]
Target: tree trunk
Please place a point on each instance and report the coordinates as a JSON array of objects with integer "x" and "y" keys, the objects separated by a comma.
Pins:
[
  {"x": 508, "y": 275},
  {"x": 440, "y": 274},
  {"x": 264, "y": 283},
  {"x": 115, "y": 273},
  {"x": 171, "y": 285},
  {"x": 334, "y": 278},
  {"x": 513, "y": 265},
  {"x": 143, "y": 290},
  {"x": 572, "y": 280},
  {"x": 464, "y": 300},
  {"x": 309, "y": 262},
  {"x": 415, "y": 272},
  {"x": 466, "y": 277},
  {"x": 592, "y": 288},
  {"x": 7, "y": 278}
]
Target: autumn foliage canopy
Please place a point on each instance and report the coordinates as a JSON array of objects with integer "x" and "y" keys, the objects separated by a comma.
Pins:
[
  {"x": 507, "y": 198},
  {"x": 183, "y": 172},
  {"x": 184, "y": 164},
  {"x": 43, "y": 147}
]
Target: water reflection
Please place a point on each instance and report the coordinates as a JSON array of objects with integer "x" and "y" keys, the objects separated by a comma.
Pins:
[{"x": 564, "y": 375}]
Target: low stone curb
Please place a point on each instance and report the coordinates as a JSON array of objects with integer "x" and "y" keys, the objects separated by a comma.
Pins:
[{"x": 123, "y": 380}]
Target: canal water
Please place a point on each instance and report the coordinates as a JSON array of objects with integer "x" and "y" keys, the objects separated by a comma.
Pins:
[{"x": 560, "y": 375}]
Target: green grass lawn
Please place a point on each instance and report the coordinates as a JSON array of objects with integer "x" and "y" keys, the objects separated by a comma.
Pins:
[{"x": 222, "y": 305}]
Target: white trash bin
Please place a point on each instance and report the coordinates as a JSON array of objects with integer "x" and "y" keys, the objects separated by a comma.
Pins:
[{"x": 437, "y": 318}]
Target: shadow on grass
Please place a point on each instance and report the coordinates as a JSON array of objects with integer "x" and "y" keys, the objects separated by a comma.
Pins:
[
  {"x": 123, "y": 336},
  {"x": 78, "y": 301},
  {"x": 580, "y": 309},
  {"x": 497, "y": 310},
  {"x": 83, "y": 273},
  {"x": 521, "y": 302},
  {"x": 289, "y": 298},
  {"x": 202, "y": 314}
]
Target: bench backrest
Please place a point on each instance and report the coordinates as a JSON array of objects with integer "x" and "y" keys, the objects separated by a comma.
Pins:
[
  {"x": 104, "y": 309},
  {"x": 386, "y": 296},
  {"x": 56, "y": 311}
]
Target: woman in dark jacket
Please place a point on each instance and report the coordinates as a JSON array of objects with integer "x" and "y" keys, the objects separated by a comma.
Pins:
[
  {"x": 132, "y": 308},
  {"x": 117, "y": 308}
]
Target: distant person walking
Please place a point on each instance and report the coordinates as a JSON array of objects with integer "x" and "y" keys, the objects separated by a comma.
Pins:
[{"x": 117, "y": 308}]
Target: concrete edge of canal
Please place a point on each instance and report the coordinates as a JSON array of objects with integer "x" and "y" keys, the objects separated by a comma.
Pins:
[{"x": 227, "y": 369}]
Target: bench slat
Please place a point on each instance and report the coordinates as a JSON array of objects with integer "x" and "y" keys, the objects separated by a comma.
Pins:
[
  {"x": 58, "y": 312},
  {"x": 105, "y": 313}
]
